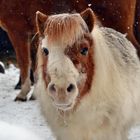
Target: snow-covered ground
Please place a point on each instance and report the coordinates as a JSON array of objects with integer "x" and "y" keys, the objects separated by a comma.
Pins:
[
  {"x": 27, "y": 114},
  {"x": 24, "y": 114}
]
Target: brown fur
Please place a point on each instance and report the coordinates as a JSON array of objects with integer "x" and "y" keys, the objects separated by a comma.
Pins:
[
  {"x": 119, "y": 15},
  {"x": 33, "y": 50}
]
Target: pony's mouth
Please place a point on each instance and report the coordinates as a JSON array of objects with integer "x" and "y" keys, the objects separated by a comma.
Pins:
[{"x": 64, "y": 107}]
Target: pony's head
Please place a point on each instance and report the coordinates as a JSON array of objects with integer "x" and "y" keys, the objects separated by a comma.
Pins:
[{"x": 65, "y": 56}]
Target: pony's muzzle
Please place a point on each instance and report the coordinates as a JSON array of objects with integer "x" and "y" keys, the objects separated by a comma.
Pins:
[
  {"x": 62, "y": 96},
  {"x": 54, "y": 89}
]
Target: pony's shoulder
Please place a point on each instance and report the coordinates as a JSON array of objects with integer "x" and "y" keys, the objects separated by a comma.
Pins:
[
  {"x": 119, "y": 45},
  {"x": 116, "y": 38}
]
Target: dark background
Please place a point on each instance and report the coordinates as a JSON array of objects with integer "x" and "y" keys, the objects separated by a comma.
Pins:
[{"x": 7, "y": 53}]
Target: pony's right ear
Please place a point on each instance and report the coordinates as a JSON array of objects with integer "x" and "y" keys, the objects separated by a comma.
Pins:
[
  {"x": 89, "y": 17},
  {"x": 40, "y": 21}
]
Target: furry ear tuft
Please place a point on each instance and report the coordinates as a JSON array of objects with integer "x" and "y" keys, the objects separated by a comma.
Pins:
[
  {"x": 89, "y": 17},
  {"x": 40, "y": 21}
]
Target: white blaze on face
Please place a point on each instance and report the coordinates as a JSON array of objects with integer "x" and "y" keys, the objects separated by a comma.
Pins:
[{"x": 62, "y": 73}]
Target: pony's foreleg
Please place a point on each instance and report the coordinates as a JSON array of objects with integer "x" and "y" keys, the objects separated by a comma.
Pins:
[
  {"x": 25, "y": 79},
  {"x": 25, "y": 88},
  {"x": 23, "y": 59},
  {"x": 18, "y": 85}
]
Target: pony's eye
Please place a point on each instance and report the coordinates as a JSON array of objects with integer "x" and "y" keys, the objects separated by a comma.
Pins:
[
  {"x": 84, "y": 51},
  {"x": 45, "y": 51}
]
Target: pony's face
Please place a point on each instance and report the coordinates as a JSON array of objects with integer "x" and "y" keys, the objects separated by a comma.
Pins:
[{"x": 66, "y": 48}]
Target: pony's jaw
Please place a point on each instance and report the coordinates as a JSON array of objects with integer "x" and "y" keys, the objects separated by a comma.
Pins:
[
  {"x": 61, "y": 98},
  {"x": 64, "y": 107}
]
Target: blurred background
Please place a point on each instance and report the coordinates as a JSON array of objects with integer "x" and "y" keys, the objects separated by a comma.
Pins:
[{"x": 7, "y": 53}]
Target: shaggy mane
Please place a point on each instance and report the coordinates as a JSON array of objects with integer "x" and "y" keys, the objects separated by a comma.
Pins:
[{"x": 65, "y": 29}]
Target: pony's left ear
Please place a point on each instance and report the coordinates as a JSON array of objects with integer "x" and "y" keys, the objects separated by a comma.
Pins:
[
  {"x": 40, "y": 22},
  {"x": 89, "y": 18}
]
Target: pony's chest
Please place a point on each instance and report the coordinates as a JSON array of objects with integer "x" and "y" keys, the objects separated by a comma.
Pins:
[{"x": 70, "y": 128}]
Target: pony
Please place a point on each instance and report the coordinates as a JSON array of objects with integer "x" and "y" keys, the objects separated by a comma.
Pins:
[
  {"x": 17, "y": 18},
  {"x": 87, "y": 78}
]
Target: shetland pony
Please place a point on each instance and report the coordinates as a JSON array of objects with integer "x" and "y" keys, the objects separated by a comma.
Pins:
[
  {"x": 17, "y": 18},
  {"x": 88, "y": 78}
]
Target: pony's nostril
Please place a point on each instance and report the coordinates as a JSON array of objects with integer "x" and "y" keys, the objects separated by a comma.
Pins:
[
  {"x": 52, "y": 88},
  {"x": 70, "y": 88}
]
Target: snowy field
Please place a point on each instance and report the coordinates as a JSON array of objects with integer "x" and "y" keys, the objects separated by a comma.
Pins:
[{"x": 27, "y": 114}]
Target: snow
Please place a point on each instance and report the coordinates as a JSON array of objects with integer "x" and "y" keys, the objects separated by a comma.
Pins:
[
  {"x": 12, "y": 132},
  {"x": 27, "y": 114},
  {"x": 24, "y": 114}
]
